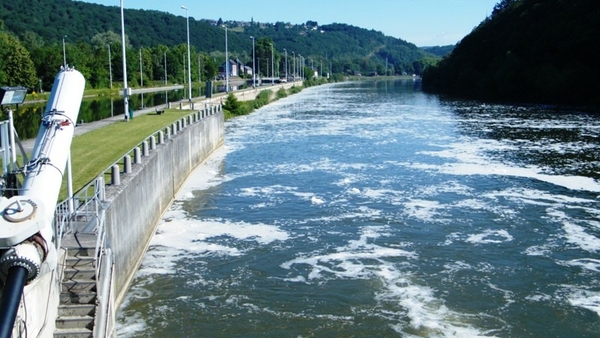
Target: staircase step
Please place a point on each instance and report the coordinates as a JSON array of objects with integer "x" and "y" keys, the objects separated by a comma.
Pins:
[
  {"x": 73, "y": 333},
  {"x": 81, "y": 251},
  {"x": 76, "y": 286},
  {"x": 77, "y": 310},
  {"x": 75, "y": 322},
  {"x": 78, "y": 298},
  {"x": 79, "y": 274},
  {"x": 80, "y": 262}
]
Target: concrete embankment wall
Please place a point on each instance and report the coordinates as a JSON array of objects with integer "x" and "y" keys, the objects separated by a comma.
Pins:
[{"x": 136, "y": 206}]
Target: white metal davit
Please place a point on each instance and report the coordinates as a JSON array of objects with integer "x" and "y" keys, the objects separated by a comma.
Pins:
[{"x": 26, "y": 219}]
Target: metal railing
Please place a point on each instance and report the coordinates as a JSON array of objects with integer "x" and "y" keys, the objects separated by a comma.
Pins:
[{"x": 85, "y": 213}]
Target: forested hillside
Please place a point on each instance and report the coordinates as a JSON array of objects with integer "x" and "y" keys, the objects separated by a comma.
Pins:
[
  {"x": 89, "y": 30},
  {"x": 537, "y": 51},
  {"x": 439, "y": 50}
]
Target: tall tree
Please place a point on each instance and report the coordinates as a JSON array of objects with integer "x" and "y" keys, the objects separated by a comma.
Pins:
[{"x": 16, "y": 67}]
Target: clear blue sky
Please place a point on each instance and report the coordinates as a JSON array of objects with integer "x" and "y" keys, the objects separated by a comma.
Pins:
[{"x": 422, "y": 22}]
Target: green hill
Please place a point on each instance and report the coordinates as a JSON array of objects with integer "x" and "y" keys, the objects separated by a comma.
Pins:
[
  {"x": 536, "y": 51},
  {"x": 41, "y": 25}
]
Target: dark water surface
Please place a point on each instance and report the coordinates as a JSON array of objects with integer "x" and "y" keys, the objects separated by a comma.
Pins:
[{"x": 371, "y": 209}]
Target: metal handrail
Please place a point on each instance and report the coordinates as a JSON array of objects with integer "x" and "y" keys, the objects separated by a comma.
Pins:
[{"x": 90, "y": 208}]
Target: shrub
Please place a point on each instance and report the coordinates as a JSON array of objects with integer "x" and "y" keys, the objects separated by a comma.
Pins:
[{"x": 281, "y": 93}]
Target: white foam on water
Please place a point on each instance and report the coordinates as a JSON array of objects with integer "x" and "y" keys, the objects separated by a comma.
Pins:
[
  {"x": 425, "y": 210},
  {"x": 316, "y": 200},
  {"x": 509, "y": 296},
  {"x": 179, "y": 236},
  {"x": 539, "y": 297},
  {"x": 586, "y": 299},
  {"x": 454, "y": 267},
  {"x": 266, "y": 191},
  {"x": 575, "y": 233},
  {"x": 589, "y": 264},
  {"x": 418, "y": 308},
  {"x": 470, "y": 160},
  {"x": 490, "y": 236},
  {"x": 392, "y": 196},
  {"x": 446, "y": 187},
  {"x": 538, "y": 250},
  {"x": 205, "y": 176},
  {"x": 131, "y": 325},
  {"x": 539, "y": 197}
]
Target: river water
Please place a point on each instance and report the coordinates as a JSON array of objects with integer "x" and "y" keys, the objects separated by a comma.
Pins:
[{"x": 372, "y": 209}]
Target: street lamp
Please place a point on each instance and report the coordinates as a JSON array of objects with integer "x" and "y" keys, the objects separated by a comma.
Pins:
[
  {"x": 286, "y": 65},
  {"x": 199, "y": 70},
  {"x": 300, "y": 66},
  {"x": 141, "y": 77},
  {"x": 165, "y": 52},
  {"x": 294, "y": 68},
  {"x": 64, "y": 53},
  {"x": 272, "y": 67},
  {"x": 253, "y": 58},
  {"x": 109, "y": 67},
  {"x": 227, "y": 64},
  {"x": 188, "y": 52},
  {"x": 125, "y": 88}
]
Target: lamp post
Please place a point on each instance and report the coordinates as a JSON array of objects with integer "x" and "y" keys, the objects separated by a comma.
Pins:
[
  {"x": 199, "y": 70},
  {"x": 227, "y": 64},
  {"x": 253, "y": 58},
  {"x": 109, "y": 67},
  {"x": 141, "y": 77},
  {"x": 294, "y": 68},
  {"x": 165, "y": 53},
  {"x": 64, "y": 53},
  {"x": 141, "y": 70},
  {"x": 188, "y": 52},
  {"x": 125, "y": 89},
  {"x": 286, "y": 65},
  {"x": 272, "y": 67},
  {"x": 300, "y": 66}
]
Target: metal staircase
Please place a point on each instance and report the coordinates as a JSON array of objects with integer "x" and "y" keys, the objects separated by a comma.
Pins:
[
  {"x": 78, "y": 298},
  {"x": 86, "y": 302}
]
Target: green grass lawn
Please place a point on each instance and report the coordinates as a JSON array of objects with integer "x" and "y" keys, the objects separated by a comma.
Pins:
[{"x": 95, "y": 151}]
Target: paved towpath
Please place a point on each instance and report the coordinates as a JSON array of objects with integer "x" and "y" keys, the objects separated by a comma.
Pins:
[
  {"x": 199, "y": 103},
  {"x": 83, "y": 128}
]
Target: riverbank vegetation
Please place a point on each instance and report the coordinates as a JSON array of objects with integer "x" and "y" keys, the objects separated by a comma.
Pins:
[
  {"x": 234, "y": 107},
  {"x": 535, "y": 51}
]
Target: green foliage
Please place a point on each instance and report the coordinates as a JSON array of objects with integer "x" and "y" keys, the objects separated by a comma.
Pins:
[
  {"x": 281, "y": 93},
  {"x": 315, "y": 81},
  {"x": 16, "y": 67},
  {"x": 538, "y": 51},
  {"x": 295, "y": 89},
  {"x": 262, "y": 99},
  {"x": 232, "y": 104},
  {"x": 439, "y": 51},
  {"x": 91, "y": 28}
]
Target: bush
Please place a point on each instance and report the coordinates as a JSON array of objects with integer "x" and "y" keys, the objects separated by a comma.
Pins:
[
  {"x": 295, "y": 90},
  {"x": 262, "y": 98},
  {"x": 281, "y": 93},
  {"x": 232, "y": 104}
]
